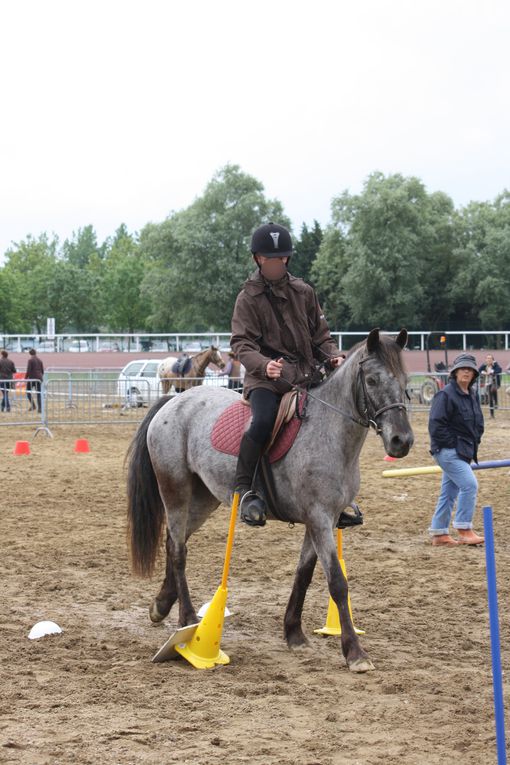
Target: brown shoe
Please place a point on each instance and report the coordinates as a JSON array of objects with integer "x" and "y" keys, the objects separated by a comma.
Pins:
[
  {"x": 444, "y": 540},
  {"x": 468, "y": 537}
]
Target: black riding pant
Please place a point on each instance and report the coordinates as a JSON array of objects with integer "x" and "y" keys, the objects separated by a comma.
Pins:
[{"x": 264, "y": 407}]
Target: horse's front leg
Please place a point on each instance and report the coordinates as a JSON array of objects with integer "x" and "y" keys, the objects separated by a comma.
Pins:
[
  {"x": 166, "y": 597},
  {"x": 293, "y": 631},
  {"x": 324, "y": 542}
]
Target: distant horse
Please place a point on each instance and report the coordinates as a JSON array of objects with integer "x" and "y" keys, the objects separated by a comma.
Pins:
[
  {"x": 196, "y": 370},
  {"x": 174, "y": 472}
]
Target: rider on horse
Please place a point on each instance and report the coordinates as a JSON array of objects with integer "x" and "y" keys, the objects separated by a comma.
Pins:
[{"x": 280, "y": 335}]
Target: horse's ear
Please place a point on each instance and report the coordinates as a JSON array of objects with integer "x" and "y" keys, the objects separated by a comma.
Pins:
[
  {"x": 402, "y": 338},
  {"x": 373, "y": 340}
]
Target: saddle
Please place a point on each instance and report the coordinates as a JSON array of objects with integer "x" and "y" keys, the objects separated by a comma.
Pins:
[
  {"x": 181, "y": 366},
  {"x": 230, "y": 426}
]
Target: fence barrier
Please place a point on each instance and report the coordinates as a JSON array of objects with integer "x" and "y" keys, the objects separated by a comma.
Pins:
[{"x": 91, "y": 396}]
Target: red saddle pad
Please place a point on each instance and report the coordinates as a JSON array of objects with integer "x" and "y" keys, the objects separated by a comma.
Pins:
[{"x": 230, "y": 426}]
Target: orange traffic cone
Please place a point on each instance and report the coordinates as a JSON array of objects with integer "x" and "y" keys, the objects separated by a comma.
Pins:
[
  {"x": 82, "y": 445},
  {"x": 21, "y": 447}
]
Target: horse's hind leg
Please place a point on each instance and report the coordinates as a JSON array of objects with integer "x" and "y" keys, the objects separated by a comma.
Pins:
[
  {"x": 164, "y": 600},
  {"x": 292, "y": 622}
]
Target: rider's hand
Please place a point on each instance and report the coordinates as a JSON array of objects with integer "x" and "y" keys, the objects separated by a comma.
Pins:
[
  {"x": 274, "y": 369},
  {"x": 336, "y": 361}
]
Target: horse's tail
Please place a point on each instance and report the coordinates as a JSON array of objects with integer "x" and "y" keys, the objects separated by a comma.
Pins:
[{"x": 146, "y": 513}]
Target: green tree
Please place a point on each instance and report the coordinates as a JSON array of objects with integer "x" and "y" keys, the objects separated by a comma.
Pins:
[
  {"x": 200, "y": 256},
  {"x": 379, "y": 258},
  {"x": 483, "y": 283},
  {"x": 125, "y": 308},
  {"x": 305, "y": 250},
  {"x": 31, "y": 266}
]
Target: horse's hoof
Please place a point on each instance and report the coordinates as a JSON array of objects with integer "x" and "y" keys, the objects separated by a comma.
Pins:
[
  {"x": 296, "y": 639},
  {"x": 361, "y": 665},
  {"x": 155, "y": 615}
]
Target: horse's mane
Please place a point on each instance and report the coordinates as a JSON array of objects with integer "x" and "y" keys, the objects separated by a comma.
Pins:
[{"x": 388, "y": 351}]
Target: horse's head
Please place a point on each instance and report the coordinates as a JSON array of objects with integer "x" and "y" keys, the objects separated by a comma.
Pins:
[
  {"x": 382, "y": 391},
  {"x": 215, "y": 357}
]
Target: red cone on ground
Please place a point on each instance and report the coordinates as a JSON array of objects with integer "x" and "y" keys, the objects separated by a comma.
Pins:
[
  {"x": 21, "y": 447},
  {"x": 387, "y": 458},
  {"x": 82, "y": 445}
]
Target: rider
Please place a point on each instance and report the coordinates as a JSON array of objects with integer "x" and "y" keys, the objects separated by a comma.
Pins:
[{"x": 280, "y": 335}]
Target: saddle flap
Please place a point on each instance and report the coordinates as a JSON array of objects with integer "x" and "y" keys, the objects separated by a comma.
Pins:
[{"x": 286, "y": 412}]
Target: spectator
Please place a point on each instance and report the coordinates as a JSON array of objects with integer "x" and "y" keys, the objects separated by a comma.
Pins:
[
  {"x": 34, "y": 377},
  {"x": 233, "y": 370},
  {"x": 7, "y": 372},
  {"x": 456, "y": 427},
  {"x": 490, "y": 381}
]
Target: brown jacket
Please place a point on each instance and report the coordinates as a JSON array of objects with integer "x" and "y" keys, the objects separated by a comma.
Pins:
[
  {"x": 258, "y": 336},
  {"x": 35, "y": 369}
]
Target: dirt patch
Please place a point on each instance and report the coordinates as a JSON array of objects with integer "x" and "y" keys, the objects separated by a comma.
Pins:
[{"x": 92, "y": 695}]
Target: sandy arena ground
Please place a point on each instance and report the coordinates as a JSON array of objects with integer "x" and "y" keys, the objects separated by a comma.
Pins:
[{"x": 92, "y": 695}]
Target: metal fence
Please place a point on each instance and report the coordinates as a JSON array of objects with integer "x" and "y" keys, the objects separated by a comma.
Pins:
[{"x": 68, "y": 399}]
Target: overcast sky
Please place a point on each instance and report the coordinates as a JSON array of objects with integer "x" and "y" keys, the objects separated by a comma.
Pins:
[{"x": 120, "y": 111}]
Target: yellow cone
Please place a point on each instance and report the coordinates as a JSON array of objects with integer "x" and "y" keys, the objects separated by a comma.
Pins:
[
  {"x": 332, "y": 626},
  {"x": 203, "y": 650}
]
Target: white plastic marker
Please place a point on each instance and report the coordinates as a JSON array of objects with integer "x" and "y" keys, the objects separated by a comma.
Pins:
[{"x": 41, "y": 629}]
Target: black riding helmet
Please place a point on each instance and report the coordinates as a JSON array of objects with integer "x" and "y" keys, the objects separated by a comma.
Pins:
[{"x": 272, "y": 241}]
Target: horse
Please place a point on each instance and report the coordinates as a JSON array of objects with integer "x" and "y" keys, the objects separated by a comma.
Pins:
[
  {"x": 175, "y": 474},
  {"x": 194, "y": 374}
]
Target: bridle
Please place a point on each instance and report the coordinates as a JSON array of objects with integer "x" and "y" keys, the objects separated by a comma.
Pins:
[
  {"x": 368, "y": 416},
  {"x": 371, "y": 421}
]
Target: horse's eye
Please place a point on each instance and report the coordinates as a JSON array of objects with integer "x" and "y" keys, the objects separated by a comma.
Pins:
[{"x": 371, "y": 380}]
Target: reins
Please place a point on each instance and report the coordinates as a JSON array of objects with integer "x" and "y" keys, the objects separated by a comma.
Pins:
[{"x": 364, "y": 419}]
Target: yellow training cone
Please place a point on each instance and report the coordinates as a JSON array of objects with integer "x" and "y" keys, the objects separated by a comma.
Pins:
[
  {"x": 203, "y": 650},
  {"x": 332, "y": 626}
]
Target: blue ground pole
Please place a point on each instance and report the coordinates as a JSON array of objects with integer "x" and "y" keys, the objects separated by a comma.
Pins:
[{"x": 499, "y": 709}]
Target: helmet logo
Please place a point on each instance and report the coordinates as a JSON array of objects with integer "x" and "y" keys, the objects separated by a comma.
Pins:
[{"x": 275, "y": 235}]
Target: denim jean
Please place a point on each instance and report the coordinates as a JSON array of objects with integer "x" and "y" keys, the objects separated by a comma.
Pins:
[{"x": 459, "y": 482}]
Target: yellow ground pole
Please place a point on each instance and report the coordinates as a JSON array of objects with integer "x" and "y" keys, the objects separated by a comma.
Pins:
[
  {"x": 400, "y": 472},
  {"x": 203, "y": 650},
  {"x": 332, "y": 626}
]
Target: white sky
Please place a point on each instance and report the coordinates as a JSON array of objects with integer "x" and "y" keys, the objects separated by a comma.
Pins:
[{"x": 121, "y": 111}]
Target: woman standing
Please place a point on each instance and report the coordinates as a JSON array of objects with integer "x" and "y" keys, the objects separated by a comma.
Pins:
[{"x": 455, "y": 428}]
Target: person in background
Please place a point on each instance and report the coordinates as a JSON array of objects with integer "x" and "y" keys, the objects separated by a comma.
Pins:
[
  {"x": 7, "y": 372},
  {"x": 490, "y": 376},
  {"x": 456, "y": 427},
  {"x": 233, "y": 370},
  {"x": 280, "y": 336},
  {"x": 34, "y": 377}
]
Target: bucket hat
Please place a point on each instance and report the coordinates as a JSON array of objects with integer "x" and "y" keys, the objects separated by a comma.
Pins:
[{"x": 465, "y": 361}]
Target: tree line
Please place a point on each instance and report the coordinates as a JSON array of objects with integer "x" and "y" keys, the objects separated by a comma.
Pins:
[{"x": 393, "y": 255}]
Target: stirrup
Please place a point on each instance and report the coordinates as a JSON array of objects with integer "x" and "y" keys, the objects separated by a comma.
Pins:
[
  {"x": 253, "y": 509},
  {"x": 347, "y": 519}
]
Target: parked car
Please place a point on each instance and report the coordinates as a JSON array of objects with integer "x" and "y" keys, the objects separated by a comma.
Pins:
[
  {"x": 106, "y": 346},
  {"x": 45, "y": 346},
  {"x": 139, "y": 382},
  {"x": 79, "y": 346}
]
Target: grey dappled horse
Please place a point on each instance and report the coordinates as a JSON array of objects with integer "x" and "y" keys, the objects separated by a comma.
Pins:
[{"x": 176, "y": 474}]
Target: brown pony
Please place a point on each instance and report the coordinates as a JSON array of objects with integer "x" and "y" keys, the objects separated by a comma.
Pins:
[{"x": 195, "y": 373}]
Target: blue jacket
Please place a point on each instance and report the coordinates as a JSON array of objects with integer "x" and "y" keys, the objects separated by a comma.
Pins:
[{"x": 456, "y": 422}]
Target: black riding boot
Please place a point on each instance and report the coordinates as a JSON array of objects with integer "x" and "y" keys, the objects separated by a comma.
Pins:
[{"x": 253, "y": 508}]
